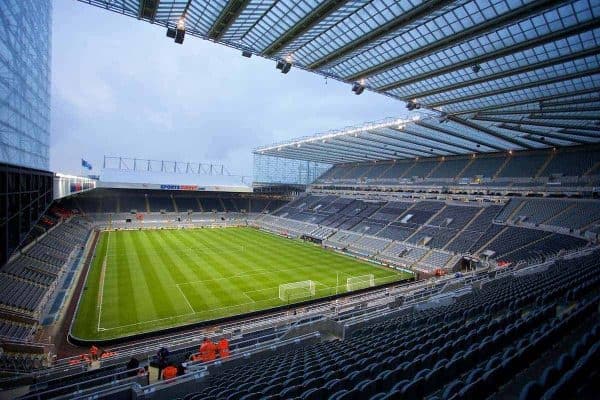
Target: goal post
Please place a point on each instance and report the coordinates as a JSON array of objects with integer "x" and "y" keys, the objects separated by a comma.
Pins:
[
  {"x": 296, "y": 290},
  {"x": 360, "y": 282}
]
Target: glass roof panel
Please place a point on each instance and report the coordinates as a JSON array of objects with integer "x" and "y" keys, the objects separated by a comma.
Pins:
[
  {"x": 523, "y": 59},
  {"x": 448, "y": 24},
  {"x": 539, "y": 92},
  {"x": 582, "y": 65},
  {"x": 369, "y": 17},
  {"x": 525, "y": 30}
]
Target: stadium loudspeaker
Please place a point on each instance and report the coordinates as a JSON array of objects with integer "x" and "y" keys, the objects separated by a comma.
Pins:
[
  {"x": 179, "y": 36},
  {"x": 171, "y": 33},
  {"x": 357, "y": 88},
  {"x": 246, "y": 54},
  {"x": 476, "y": 68}
]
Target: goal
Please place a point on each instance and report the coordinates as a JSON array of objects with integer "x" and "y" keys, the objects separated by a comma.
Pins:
[
  {"x": 360, "y": 282},
  {"x": 296, "y": 290}
]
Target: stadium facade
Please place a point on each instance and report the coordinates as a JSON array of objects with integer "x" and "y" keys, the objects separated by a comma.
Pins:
[
  {"x": 26, "y": 186},
  {"x": 25, "y": 55}
]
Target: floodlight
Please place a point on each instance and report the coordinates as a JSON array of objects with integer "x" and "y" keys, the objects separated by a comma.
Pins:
[
  {"x": 283, "y": 66},
  {"x": 246, "y": 54},
  {"x": 476, "y": 68},
  {"x": 358, "y": 88}
]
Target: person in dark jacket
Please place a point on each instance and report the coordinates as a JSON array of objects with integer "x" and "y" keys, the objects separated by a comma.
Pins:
[
  {"x": 163, "y": 360},
  {"x": 132, "y": 366}
]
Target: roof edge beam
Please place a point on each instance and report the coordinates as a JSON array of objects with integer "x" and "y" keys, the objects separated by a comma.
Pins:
[
  {"x": 533, "y": 8},
  {"x": 301, "y": 27},
  {"x": 227, "y": 16}
]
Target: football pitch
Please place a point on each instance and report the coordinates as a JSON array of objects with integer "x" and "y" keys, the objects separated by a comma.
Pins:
[{"x": 147, "y": 280}]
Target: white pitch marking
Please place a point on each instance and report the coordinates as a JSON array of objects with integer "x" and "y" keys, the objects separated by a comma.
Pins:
[
  {"x": 186, "y": 299},
  {"x": 101, "y": 288}
]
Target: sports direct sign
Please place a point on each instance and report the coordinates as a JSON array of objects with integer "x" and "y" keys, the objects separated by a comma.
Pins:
[{"x": 181, "y": 187}]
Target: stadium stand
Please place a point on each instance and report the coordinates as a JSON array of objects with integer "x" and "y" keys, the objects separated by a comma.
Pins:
[{"x": 488, "y": 195}]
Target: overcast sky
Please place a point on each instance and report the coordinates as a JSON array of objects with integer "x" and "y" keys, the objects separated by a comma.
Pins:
[{"x": 120, "y": 87}]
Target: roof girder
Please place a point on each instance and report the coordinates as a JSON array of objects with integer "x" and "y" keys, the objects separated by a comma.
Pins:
[
  {"x": 302, "y": 26},
  {"x": 508, "y": 89},
  {"x": 541, "y": 111},
  {"x": 403, "y": 140},
  {"x": 227, "y": 16},
  {"x": 395, "y": 24},
  {"x": 504, "y": 74},
  {"x": 539, "y": 123},
  {"x": 542, "y": 134},
  {"x": 528, "y": 101},
  {"x": 488, "y": 131},
  {"x": 459, "y": 135},
  {"x": 564, "y": 117},
  {"x": 307, "y": 153},
  {"x": 339, "y": 152},
  {"x": 348, "y": 142},
  {"x": 404, "y": 149},
  {"x": 493, "y": 55},
  {"x": 533, "y": 8}
]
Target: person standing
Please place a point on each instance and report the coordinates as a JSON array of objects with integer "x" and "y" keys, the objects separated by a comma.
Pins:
[
  {"x": 223, "y": 347},
  {"x": 207, "y": 350},
  {"x": 163, "y": 360}
]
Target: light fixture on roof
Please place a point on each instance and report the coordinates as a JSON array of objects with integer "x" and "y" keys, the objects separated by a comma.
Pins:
[
  {"x": 246, "y": 54},
  {"x": 476, "y": 68},
  {"x": 358, "y": 88},
  {"x": 283, "y": 66},
  {"x": 412, "y": 105},
  {"x": 179, "y": 31}
]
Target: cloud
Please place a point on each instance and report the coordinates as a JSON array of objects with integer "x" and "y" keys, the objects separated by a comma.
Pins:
[{"x": 120, "y": 87}]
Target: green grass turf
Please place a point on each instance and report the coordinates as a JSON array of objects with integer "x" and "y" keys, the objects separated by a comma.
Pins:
[{"x": 147, "y": 280}]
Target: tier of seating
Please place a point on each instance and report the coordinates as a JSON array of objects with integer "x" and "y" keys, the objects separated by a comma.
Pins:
[
  {"x": 122, "y": 201},
  {"x": 568, "y": 214},
  {"x": 577, "y": 166},
  {"x": 473, "y": 348},
  {"x": 31, "y": 276},
  {"x": 444, "y": 227}
]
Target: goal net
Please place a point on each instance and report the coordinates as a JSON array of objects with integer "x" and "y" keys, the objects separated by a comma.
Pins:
[
  {"x": 296, "y": 290},
  {"x": 360, "y": 282}
]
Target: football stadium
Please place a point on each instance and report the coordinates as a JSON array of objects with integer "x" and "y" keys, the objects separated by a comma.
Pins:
[{"x": 449, "y": 252}]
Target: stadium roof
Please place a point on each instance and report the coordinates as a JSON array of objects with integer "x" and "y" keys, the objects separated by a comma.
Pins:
[{"x": 502, "y": 74}]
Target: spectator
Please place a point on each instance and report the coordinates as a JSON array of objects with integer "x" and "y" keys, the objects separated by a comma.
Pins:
[
  {"x": 94, "y": 352},
  {"x": 132, "y": 365},
  {"x": 163, "y": 359},
  {"x": 207, "y": 350},
  {"x": 223, "y": 347},
  {"x": 169, "y": 372}
]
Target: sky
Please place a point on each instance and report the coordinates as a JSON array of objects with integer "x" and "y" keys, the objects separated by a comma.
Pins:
[{"x": 120, "y": 87}]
